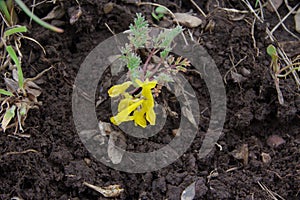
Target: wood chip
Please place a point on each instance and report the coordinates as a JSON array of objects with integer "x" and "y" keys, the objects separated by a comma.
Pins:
[{"x": 109, "y": 191}]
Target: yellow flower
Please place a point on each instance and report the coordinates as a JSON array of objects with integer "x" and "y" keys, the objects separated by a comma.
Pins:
[
  {"x": 142, "y": 107},
  {"x": 116, "y": 90},
  {"x": 123, "y": 116},
  {"x": 148, "y": 104}
]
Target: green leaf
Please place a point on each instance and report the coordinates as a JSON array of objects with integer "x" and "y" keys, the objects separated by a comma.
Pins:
[
  {"x": 20, "y": 29},
  {"x": 23, "y": 110},
  {"x": 5, "y": 92},
  {"x": 8, "y": 116},
  {"x": 271, "y": 50},
  {"x": 161, "y": 10},
  {"x": 14, "y": 57},
  {"x": 165, "y": 52},
  {"x": 164, "y": 78},
  {"x": 133, "y": 61},
  {"x": 139, "y": 32},
  {"x": 166, "y": 37},
  {"x": 157, "y": 17},
  {"x": 159, "y": 13}
]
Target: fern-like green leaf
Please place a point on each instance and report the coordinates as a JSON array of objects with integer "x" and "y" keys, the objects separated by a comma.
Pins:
[{"x": 139, "y": 32}]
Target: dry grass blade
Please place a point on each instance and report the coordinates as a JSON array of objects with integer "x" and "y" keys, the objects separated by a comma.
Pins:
[
  {"x": 199, "y": 9},
  {"x": 21, "y": 152},
  {"x": 272, "y": 195},
  {"x": 288, "y": 62},
  {"x": 234, "y": 10},
  {"x": 282, "y": 20},
  {"x": 247, "y": 3}
]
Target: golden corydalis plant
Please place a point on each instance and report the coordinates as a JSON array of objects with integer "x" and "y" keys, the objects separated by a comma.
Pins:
[{"x": 138, "y": 105}]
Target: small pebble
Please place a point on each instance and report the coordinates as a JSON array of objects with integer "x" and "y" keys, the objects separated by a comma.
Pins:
[
  {"x": 245, "y": 72},
  {"x": 266, "y": 158},
  {"x": 275, "y": 140}
]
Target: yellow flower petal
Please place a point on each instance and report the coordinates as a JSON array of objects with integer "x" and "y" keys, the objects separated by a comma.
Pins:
[
  {"x": 146, "y": 84},
  {"x": 123, "y": 116},
  {"x": 139, "y": 118},
  {"x": 125, "y": 102},
  {"x": 151, "y": 116},
  {"x": 116, "y": 90}
]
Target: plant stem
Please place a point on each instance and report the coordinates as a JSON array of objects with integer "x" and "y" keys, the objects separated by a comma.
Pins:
[
  {"x": 155, "y": 70},
  {"x": 148, "y": 59}
]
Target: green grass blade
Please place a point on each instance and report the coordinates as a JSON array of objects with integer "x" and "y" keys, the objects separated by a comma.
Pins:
[
  {"x": 20, "y": 29},
  {"x": 36, "y": 19},
  {"x": 14, "y": 57},
  {"x": 4, "y": 10},
  {"x": 5, "y": 92},
  {"x": 8, "y": 116}
]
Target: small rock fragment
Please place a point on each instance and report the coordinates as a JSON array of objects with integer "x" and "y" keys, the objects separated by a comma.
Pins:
[
  {"x": 188, "y": 20},
  {"x": 242, "y": 154},
  {"x": 297, "y": 20},
  {"x": 237, "y": 78},
  {"x": 275, "y": 140},
  {"x": 87, "y": 161},
  {"x": 266, "y": 158},
  {"x": 274, "y": 4},
  {"x": 108, "y": 7},
  {"x": 245, "y": 72},
  {"x": 175, "y": 132},
  {"x": 189, "y": 192}
]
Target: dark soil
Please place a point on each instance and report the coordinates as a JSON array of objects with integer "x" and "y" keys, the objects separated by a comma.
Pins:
[{"x": 61, "y": 163}]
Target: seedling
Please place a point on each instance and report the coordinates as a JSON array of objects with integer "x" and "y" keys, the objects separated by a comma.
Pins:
[
  {"x": 159, "y": 13},
  {"x": 20, "y": 94},
  {"x": 135, "y": 93},
  {"x": 271, "y": 50},
  {"x": 275, "y": 65}
]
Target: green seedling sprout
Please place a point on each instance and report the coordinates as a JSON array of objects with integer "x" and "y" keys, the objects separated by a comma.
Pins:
[
  {"x": 8, "y": 116},
  {"x": 271, "y": 50},
  {"x": 159, "y": 13},
  {"x": 15, "y": 58},
  {"x": 295, "y": 66}
]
